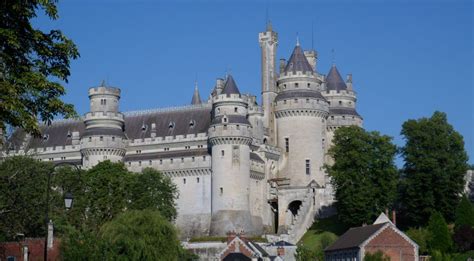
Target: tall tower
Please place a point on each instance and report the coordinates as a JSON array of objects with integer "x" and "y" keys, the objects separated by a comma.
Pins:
[
  {"x": 342, "y": 105},
  {"x": 301, "y": 113},
  {"x": 268, "y": 43},
  {"x": 230, "y": 137},
  {"x": 103, "y": 138}
]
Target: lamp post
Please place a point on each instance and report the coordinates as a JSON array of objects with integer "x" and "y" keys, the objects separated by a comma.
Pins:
[{"x": 68, "y": 198}]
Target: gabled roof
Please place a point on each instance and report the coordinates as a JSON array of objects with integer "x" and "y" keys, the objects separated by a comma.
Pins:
[
  {"x": 354, "y": 237},
  {"x": 334, "y": 80},
  {"x": 298, "y": 61},
  {"x": 196, "y": 97},
  {"x": 230, "y": 86}
]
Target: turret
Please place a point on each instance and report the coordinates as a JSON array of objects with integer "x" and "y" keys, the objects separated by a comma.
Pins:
[
  {"x": 301, "y": 113},
  {"x": 342, "y": 105},
  {"x": 268, "y": 43},
  {"x": 230, "y": 137},
  {"x": 196, "y": 97},
  {"x": 103, "y": 138}
]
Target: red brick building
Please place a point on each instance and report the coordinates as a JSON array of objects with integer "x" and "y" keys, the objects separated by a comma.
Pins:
[
  {"x": 382, "y": 236},
  {"x": 240, "y": 248},
  {"x": 31, "y": 249}
]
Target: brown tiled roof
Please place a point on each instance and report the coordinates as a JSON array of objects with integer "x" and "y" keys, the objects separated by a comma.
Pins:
[{"x": 354, "y": 237}]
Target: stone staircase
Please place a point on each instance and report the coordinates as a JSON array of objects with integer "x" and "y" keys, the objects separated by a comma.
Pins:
[{"x": 304, "y": 218}]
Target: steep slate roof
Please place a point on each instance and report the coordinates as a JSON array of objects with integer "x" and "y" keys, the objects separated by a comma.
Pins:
[
  {"x": 334, "y": 80},
  {"x": 255, "y": 157},
  {"x": 354, "y": 237},
  {"x": 343, "y": 111},
  {"x": 298, "y": 61},
  {"x": 230, "y": 86},
  {"x": 196, "y": 97}
]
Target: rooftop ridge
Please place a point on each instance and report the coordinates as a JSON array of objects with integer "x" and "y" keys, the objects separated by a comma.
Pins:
[{"x": 167, "y": 109}]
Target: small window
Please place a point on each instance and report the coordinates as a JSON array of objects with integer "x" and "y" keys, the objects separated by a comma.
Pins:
[
  {"x": 343, "y": 117},
  {"x": 329, "y": 102},
  {"x": 222, "y": 153},
  {"x": 307, "y": 100},
  {"x": 101, "y": 138},
  {"x": 225, "y": 119},
  {"x": 197, "y": 180},
  {"x": 296, "y": 100},
  {"x": 204, "y": 158},
  {"x": 150, "y": 162},
  {"x": 171, "y": 125},
  {"x": 238, "y": 127},
  {"x": 284, "y": 101},
  {"x": 309, "y": 85},
  {"x": 161, "y": 161},
  {"x": 222, "y": 190},
  {"x": 182, "y": 160},
  {"x": 193, "y": 159},
  {"x": 340, "y": 102},
  {"x": 332, "y": 117},
  {"x": 139, "y": 163},
  {"x": 184, "y": 181},
  {"x": 235, "y": 109},
  {"x": 113, "y": 138},
  {"x": 225, "y": 127},
  {"x": 68, "y": 134},
  {"x": 287, "y": 144},
  {"x": 90, "y": 139},
  {"x": 171, "y": 160},
  {"x": 296, "y": 85},
  {"x": 144, "y": 127},
  {"x": 129, "y": 163},
  {"x": 308, "y": 167},
  {"x": 192, "y": 123},
  {"x": 11, "y": 258}
]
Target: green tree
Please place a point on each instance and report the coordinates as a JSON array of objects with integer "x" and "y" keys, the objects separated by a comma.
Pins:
[
  {"x": 440, "y": 237},
  {"x": 140, "y": 235},
  {"x": 464, "y": 213},
  {"x": 304, "y": 253},
  {"x": 363, "y": 174},
  {"x": 421, "y": 237},
  {"x": 153, "y": 190},
  {"x": 32, "y": 65},
  {"x": 376, "y": 256},
  {"x": 435, "y": 164}
]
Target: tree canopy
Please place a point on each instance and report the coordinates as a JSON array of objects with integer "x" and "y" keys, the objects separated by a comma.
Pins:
[
  {"x": 440, "y": 238},
  {"x": 434, "y": 168},
  {"x": 33, "y": 66},
  {"x": 363, "y": 174}
]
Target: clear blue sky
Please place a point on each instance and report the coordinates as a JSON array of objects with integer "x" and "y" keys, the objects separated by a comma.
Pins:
[{"x": 408, "y": 58}]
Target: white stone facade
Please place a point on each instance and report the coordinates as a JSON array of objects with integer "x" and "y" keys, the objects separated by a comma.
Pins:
[{"x": 237, "y": 165}]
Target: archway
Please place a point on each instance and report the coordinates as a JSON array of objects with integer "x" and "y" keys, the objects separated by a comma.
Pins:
[{"x": 294, "y": 206}]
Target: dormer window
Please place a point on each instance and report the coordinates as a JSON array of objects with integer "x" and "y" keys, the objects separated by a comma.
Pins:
[
  {"x": 144, "y": 127},
  {"x": 192, "y": 123},
  {"x": 171, "y": 125},
  {"x": 45, "y": 136},
  {"x": 68, "y": 134}
]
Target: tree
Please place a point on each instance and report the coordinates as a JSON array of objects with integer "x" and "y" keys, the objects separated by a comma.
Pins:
[
  {"x": 434, "y": 168},
  {"x": 464, "y": 213},
  {"x": 376, "y": 256},
  {"x": 140, "y": 235},
  {"x": 363, "y": 174},
  {"x": 304, "y": 253},
  {"x": 32, "y": 64},
  {"x": 464, "y": 238},
  {"x": 420, "y": 236},
  {"x": 440, "y": 238},
  {"x": 153, "y": 190}
]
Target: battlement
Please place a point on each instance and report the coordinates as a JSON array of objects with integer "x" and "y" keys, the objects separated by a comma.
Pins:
[{"x": 102, "y": 90}]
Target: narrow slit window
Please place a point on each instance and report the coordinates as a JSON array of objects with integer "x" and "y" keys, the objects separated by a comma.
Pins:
[
  {"x": 308, "y": 167},
  {"x": 287, "y": 144}
]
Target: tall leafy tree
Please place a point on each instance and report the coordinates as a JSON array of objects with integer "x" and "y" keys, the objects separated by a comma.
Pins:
[
  {"x": 33, "y": 66},
  {"x": 440, "y": 238},
  {"x": 434, "y": 169},
  {"x": 363, "y": 174}
]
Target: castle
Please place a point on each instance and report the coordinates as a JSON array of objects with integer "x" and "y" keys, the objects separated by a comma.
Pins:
[{"x": 237, "y": 165}]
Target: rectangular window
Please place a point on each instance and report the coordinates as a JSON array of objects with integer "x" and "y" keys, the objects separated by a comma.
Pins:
[
  {"x": 197, "y": 179},
  {"x": 222, "y": 191},
  {"x": 192, "y": 159},
  {"x": 184, "y": 181},
  {"x": 101, "y": 138},
  {"x": 161, "y": 161},
  {"x": 287, "y": 144},
  {"x": 222, "y": 153},
  {"x": 308, "y": 167},
  {"x": 149, "y": 162}
]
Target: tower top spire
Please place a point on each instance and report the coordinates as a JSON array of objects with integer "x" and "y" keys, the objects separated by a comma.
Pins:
[
  {"x": 297, "y": 40},
  {"x": 196, "y": 97}
]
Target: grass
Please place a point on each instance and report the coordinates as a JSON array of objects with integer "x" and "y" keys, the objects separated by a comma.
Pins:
[{"x": 323, "y": 232}]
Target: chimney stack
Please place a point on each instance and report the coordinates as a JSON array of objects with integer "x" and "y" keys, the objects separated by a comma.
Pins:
[
  {"x": 394, "y": 217},
  {"x": 50, "y": 234}
]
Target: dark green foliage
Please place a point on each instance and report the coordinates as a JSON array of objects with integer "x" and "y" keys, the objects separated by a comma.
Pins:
[
  {"x": 304, "y": 253},
  {"x": 464, "y": 238},
  {"x": 140, "y": 235},
  {"x": 363, "y": 174},
  {"x": 22, "y": 197},
  {"x": 435, "y": 164},
  {"x": 463, "y": 256},
  {"x": 32, "y": 65},
  {"x": 153, "y": 190},
  {"x": 464, "y": 213},
  {"x": 440, "y": 238},
  {"x": 421, "y": 236},
  {"x": 377, "y": 256}
]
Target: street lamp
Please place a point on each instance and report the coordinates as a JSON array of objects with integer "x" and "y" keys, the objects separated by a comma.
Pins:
[{"x": 68, "y": 198}]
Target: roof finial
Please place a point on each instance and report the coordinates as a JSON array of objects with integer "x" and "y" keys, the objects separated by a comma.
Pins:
[
  {"x": 297, "y": 39},
  {"x": 333, "y": 57}
]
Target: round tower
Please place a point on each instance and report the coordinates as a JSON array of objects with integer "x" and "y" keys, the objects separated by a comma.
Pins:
[
  {"x": 103, "y": 138},
  {"x": 230, "y": 137},
  {"x": 342, "y": 105},
  {"x": 301, "y": 112}
]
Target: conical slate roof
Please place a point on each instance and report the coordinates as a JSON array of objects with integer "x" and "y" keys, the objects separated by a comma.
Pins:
[
  {"x": 334, "y": 80},
  {"x": 196, "y": 97},
  {"x": 298, "y": 61},
  {"x": 230, "y": 87}
]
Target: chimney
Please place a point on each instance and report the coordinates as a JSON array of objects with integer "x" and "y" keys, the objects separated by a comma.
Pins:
[
  {"x": 280, "y": 251},
  {"x": 50, "y": 234},
  {"x": 394, "y": 217},
  {"x": 282, "y": 65}
]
